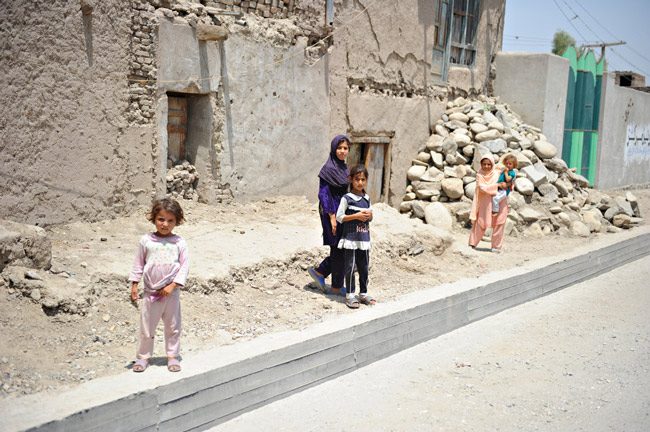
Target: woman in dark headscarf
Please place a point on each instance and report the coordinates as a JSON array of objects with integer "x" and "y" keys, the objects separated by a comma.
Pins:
[{"x": 333, "y": 185}]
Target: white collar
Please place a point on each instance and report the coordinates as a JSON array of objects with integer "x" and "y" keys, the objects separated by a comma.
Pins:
[{"x": 357, "y": 198}]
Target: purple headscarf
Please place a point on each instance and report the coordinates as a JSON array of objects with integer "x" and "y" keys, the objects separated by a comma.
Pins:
[{"x": 335, "y": 171}]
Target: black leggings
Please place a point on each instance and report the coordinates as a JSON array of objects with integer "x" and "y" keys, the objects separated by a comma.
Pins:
[{"x": 360, "y": 259}]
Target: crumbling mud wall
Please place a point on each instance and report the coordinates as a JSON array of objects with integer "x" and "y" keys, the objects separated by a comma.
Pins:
[
  {"x": 381, "y": 81},
  {"x": 69, "y": 149},
  {"x": 88, "y": 86}
]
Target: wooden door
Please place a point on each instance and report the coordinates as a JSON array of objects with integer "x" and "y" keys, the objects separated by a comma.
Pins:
[
  {"x": 176, "y": 128},
  {"x": 374, "y": 161}
]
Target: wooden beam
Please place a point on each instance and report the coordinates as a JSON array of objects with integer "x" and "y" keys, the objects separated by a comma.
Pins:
[{"x": 206, "y": 32}]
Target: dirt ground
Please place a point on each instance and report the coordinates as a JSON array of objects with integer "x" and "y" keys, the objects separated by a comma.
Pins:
[{"x": 247, "y": 277}]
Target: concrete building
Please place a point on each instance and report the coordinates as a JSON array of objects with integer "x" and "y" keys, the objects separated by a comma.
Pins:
[
  {"x": 535, "y": 85},
  {"x": 101, "y": 98}
]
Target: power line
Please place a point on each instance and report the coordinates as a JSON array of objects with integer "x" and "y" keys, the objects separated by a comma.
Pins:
[
  {"x": 576, "y": 16},
  {"x": 570, "y": 20},
  {"x": 610, "y": 33}
]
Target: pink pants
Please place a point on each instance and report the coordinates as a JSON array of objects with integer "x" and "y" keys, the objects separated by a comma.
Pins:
[
  {"x": 167, "y": 308},
  {"x": 476, "y": 234}
]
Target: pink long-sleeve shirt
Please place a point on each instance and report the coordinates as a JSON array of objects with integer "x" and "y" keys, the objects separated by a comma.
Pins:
[{"x": 160, "y": 261}]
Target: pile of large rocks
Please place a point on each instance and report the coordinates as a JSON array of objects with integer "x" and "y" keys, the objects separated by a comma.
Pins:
[
  {"x": 548, "y": 197},
  {"x": 182, "y": 180}
]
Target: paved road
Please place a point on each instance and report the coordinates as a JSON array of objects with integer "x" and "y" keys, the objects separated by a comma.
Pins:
[{"x": 577, "y": 360}]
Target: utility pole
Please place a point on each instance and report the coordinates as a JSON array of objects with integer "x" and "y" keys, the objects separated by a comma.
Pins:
[{"x": 603, "y": 46}]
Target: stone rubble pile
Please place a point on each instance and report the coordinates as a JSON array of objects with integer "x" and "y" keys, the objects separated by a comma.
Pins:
[
  {"x": 548, "y": 197},
  {"x": 182, "y": 180}
]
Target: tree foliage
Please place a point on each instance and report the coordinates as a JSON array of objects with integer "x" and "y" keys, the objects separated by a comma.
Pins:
[{"x": 561, "y": 41}]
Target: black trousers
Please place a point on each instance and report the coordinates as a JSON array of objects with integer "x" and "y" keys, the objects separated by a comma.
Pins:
[
  {"x": 333, "y": 264},
  {"x": 361, "y": 260}
]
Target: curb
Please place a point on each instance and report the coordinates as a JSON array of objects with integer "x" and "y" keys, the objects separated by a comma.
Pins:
[{"x": 239, "y": 378}]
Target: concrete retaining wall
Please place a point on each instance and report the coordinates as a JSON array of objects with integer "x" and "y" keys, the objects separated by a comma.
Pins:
[{"x": 241, "y": 378}]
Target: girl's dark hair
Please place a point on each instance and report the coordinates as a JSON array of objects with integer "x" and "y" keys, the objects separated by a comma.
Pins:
[
  {"x": 166, "y": 204},
  {"x": 357, "y": 169}
]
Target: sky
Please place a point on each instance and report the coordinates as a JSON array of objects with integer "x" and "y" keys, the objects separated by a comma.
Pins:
[{"x": 530, "y": 25}]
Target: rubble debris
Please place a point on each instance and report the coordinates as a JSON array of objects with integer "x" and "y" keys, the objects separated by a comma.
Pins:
[{"x": 548, "y": 194}]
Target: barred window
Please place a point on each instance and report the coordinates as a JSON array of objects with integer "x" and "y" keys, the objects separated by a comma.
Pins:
[{"x": 463, "y": 38}]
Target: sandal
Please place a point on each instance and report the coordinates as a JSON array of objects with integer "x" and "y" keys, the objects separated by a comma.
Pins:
[
  {"x": 140, "y": 365},
  {"x": 339, "y": 292},
  {"x": 352, "y": 302},
  {"x": 318, "y": 279},
  {"x": 367, "y": 300},
  {"x": 173, "y": 365}
]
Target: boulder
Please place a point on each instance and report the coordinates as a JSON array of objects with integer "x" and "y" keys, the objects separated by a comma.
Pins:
[
  {"x": 629, "y": 196},
  {"x": 524, "y": 186},
  {"x": 622, "y": 220},
  {"x": 415, "y": 172},
  {"x": 459, "y": 116},
  {"x": 453, "y": 187},
  {"x": 449, "y": 146},
  {"x": 468, "y": 151},
  {"x": 536, "y": 177},
  {"x": 436, "y": 214},
  {"x": 409, "y": 196},
  {"x": 437, "y": 159},
  {"x": 564, "y": 219},
  {"x": 534, "y": 231},
  {"x": 532, "y": 157},
  {"x": 545, "y": 150},
  {"x": 529, "y": 214},
  {"x": 577, "y": 179},
  {"x": 592, "y": 218},
  {"x": 24, "y": 245},
  {"x": 405, "y": 206},
  {"x": 488, "y": 135},
  {"x": 522, "y": 160},
  {"x": 434, "y": 143},
  {"x": 417, "y": 207},
  {"x": 548, "y": 191},
  {"x": 516, "y": 200},
  {"x": 460, "y": 139},
  {"x": 441, "y": 130},
  {"x": 470, "y": 190},
  {"x": 551, "y": 176},
  {"x": 556, "y": 164},
  {"x": 497, "y": 146},
  {"x": 425, "y": 190},
  {"x": 424, "y": 157},
  {"x": 579, "y": 229},
  {"x": 624, "y": 205},
  {"x": 433, "y": 174},
  {"x": 564, "y": 187},
  {"x": 496, "y": 124},
  {"x": 477, "y": 128}
]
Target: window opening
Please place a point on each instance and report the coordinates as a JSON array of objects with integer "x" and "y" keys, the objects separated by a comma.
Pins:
[{"x": 463, "y": 31}]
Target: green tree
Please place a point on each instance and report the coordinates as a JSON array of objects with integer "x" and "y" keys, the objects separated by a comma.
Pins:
[{"x": 561, "y": 41}]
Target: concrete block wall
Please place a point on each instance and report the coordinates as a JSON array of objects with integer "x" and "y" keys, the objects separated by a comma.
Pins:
[
  {"x": 263, "y": 372},
  {"x": 535, "y": 86},
  {"x": 624, "y": 145}
]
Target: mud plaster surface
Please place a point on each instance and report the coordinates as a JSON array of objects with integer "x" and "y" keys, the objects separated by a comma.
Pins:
[{"x": 247, "y": 278}]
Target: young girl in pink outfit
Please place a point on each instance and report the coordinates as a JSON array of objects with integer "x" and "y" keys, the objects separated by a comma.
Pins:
[
  {"x": 481, "y": 214},
  {"x": 161, "y": 264}
]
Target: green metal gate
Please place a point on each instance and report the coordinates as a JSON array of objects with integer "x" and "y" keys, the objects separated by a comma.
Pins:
[{"x": 580, "y": 143}]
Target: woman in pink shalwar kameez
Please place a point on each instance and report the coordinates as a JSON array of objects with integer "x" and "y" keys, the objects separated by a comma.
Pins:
[{"x": 481, "y": 214}]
